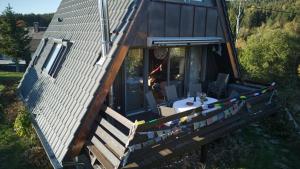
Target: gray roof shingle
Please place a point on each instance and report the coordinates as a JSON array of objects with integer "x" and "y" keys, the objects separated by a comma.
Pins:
[{"x": 59, "y": 104}]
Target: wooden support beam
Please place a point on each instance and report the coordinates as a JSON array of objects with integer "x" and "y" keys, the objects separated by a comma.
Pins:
[
  {"x": 203, "y": 153},
  {"x": 229, "y": 42}
]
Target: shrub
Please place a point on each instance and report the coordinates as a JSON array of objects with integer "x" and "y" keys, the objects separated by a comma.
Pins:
[{"x": 22, "y": 124}]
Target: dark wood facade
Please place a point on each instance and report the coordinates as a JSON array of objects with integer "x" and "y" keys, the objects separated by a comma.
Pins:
[{"x": 165, "y": 19}]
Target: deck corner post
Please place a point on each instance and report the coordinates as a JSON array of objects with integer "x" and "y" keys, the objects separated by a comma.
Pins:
[{"x": 203, "y": 156}]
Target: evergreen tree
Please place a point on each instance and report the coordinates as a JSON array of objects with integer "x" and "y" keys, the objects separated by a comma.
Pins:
[{"x": 14, "y": 39}]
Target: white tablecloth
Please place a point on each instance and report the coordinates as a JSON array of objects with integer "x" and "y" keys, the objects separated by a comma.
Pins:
[{"x": 181, "y": 106}]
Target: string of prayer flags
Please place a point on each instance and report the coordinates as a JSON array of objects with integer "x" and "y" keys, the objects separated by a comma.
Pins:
[
  {"x": 243, "y": 97},
  {"x": 233, "y": 100},
  {"x": 152, "y": 121},
  {"x": 209, "y": 121},
  {"x": 160, "y": 133},
  {"x": 168, "y": 132},
  {"x": 203, "y": 123},
  {"x": 215, "y": 118},
  {"x": 218, "y": 105},
  {"x": 264, "y": 91},
  {"x": 199, "y": 124},
  {"x": 196, "y": 125},
  {"x": 150, "y": 134},
  {"x": 157, "y": 139},
  {"x": 168, "y": 123},
  {"x": 214, "y": 105},
  {"x": 189, "y": 118},
  {"x": 227, "y": 113},
  {"x": 221, "y": 116},
  {"x": 183, "y": 119},
  {"x": 139, "y": 122},
  {"x": 164, "y": 137},
  {"x": 176, "y": 130}
]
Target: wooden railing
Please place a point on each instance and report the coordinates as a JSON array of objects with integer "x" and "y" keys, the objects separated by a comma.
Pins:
[
  {"x": 109, "y": 143},
  {"x": 115, "y": 137}
]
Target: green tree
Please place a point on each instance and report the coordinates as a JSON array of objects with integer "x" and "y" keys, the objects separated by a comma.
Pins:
[
  {"x": 267, "y": 55},
  {"x": 14, "y": 39}
]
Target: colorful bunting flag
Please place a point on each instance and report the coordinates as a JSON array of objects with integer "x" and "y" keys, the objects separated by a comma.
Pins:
[
  {"x": 157, "y": 139},
  {"x": 150, "y": 135},
  {"x": 160, "y": 133},
  {"x": 203, "y": 123},
  {"x": 183, "y": 119},
  {"x": 139, "y": 122},
  {"x": 215, "y": 118},
  {"x": 209, "y": 121},
  {"x": 196, "y": 125},
  {"x": 227, "y": 113},
  {"x": 221, "y": 116},
  {"x": 243, "y": 97}
]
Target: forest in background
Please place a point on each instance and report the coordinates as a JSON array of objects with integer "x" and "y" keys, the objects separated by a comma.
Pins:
[
  {"x": 267, "y": 35},
  {"x": 43, "y": 19}
]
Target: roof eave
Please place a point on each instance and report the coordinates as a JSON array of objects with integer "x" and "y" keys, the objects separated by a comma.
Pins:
[{"x": 50, "y": 154}]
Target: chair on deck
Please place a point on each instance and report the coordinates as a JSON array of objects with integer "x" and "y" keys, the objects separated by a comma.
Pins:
[
  {"x": 195, "y": 88},
  {"x": 151, "y": 102},
  {"x": 166, "y": 111},
  {"x": 171, "y": 94},
  {"x": 218, "y": 87}
]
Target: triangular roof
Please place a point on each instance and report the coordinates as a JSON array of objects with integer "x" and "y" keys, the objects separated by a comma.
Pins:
[
  {"x": 64, "y": 107},
  {"x": 59, "y": 104}
]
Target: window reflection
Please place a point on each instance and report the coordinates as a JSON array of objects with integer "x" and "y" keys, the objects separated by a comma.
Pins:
[
  {"x": 177, "y": 69},
  {"x": 166, "y": 67},
  {"x": 134, "y": 80}
]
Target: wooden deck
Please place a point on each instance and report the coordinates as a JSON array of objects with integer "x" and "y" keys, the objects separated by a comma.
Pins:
[{"x": 121, "y": 143}]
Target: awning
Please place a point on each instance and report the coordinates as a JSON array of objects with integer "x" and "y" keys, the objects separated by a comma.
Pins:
[{"x": 182, "y": 41}]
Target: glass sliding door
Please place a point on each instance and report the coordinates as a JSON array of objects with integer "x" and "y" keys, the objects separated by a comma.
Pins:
[
  {"x": 167, "y": 66},
  {"x": 177, "y": 61},
  {"x": 134, "y": 78}
]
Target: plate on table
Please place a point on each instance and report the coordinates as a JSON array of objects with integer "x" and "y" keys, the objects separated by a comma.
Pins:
[{"x": 189, "y": 103}]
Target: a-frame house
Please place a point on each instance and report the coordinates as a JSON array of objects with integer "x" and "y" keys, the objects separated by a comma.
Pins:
[{"x": 102, "y": 64}]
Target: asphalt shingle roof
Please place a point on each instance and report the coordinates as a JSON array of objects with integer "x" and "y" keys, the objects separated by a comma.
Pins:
[{"x": 60, "y": 104}]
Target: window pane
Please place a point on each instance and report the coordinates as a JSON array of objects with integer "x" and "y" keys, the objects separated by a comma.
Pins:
[
  {"x": 158, "y": 72},
  {"x": 54, "y": 52},
  {"x": 134, "y": 80},
  {"x": 177, "y": 69}
]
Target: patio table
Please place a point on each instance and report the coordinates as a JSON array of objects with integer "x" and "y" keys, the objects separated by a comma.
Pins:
[{"x": 181, "y": 105}]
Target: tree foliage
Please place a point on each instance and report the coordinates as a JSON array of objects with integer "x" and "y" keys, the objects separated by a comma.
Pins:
[
  {"x": 14, "y": 39},
  {"x": 22, "y": 125},
  {"x": 267, "y": 54},
  {"x": 42, "y": 19}
]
